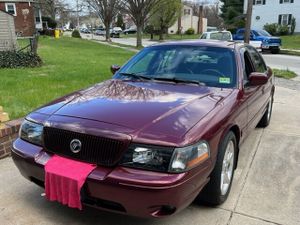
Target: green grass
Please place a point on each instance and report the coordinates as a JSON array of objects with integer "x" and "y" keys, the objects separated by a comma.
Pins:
[
  {"x": 287, "y": 74},
  {"x": 291, "y": 41},
  {"x": 290, "y": 52},
  {"x": 69, "y": 64}
]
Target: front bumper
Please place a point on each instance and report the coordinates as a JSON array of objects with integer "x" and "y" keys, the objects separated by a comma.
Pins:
[{"x": 122, "y": 190}]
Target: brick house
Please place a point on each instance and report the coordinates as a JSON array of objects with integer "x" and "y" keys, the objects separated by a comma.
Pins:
[{"x": 25, "y": 15}]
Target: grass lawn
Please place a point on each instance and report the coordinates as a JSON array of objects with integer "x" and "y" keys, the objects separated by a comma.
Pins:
[
  {"x": 287, "y": 74},
  {"x": 69, "y": 64},
  {"x": 291, "y": 41}
]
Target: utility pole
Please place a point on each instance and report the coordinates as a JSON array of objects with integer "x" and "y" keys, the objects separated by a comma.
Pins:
[
  {"x": 248, "y": 21},
  {"x": 200, "y": 22}
]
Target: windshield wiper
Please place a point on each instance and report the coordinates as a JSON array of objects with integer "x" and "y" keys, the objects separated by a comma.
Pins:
[
  {"x": 136, "y": 76},
  {"x": 176, "y": 80}
]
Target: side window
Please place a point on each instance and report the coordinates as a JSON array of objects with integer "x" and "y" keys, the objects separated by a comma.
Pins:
[
  {"x": 203, "y": 36},
  {"x": 241, "y": 32},
  {"x": 257, "y": 60},
  {"x": 247, "y": 64}
]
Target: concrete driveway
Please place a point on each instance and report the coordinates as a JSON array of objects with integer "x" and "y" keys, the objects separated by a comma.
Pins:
[{"x": 266, "y": 187}]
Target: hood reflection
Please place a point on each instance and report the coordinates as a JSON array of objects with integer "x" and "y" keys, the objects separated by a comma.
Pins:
[{"x": 126, "y": 92}]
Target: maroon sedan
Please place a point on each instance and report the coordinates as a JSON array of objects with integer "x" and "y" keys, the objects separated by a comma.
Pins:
[{"x": 164, "y": 131}]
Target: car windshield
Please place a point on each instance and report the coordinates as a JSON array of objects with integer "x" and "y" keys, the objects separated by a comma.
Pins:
[
  {"x": 263, "y": 33},
  {"x": 210, "y": 66}
]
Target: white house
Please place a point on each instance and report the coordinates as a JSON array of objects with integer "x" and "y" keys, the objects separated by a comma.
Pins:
[
  {"x": 274, "y": 11},
  {"x": 188, "y": 20}
]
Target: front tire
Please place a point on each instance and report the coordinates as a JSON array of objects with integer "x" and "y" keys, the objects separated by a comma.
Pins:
[
  {"x": 218, "y": 188},
  {"x": 275, "y": 50},
  {"x": 265, "y": 120}
]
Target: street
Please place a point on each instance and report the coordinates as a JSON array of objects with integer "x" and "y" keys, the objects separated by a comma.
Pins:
[
  {"x": 265, "y": 189},
  {"x": 280, "y": 61}
]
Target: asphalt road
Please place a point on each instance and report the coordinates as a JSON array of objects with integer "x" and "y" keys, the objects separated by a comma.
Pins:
[
  {"x": 280, "y": 61},
  {"x": 265, "y": 191}
]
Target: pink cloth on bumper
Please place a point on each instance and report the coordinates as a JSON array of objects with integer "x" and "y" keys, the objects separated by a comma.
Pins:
[{"x": 64, "y": 179}]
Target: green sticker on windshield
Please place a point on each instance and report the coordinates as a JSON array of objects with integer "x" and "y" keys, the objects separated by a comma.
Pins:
[{"x": 224, "y": 80}]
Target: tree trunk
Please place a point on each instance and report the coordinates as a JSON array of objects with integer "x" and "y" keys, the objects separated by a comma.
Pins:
[
  {"x": 139, "y": 36},
  {"x": 107, "y": 33},
  {"x": 161, "y": 33}
]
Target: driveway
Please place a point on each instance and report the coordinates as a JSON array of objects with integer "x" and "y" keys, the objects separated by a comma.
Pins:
[{"x": 266, "y": 186}]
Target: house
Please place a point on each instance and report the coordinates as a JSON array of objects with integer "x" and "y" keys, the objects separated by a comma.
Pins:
[
  {"x": 26, "y": 15},
  {"x": 188, "y": 20},
  {"x": 274, "y": 11},
  {"x": 7, "y": 32}
]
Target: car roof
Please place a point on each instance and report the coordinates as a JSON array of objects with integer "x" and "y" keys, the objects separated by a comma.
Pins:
[
  {"x": 201, "y": 42},
  {"x": 220, "y": 31}
]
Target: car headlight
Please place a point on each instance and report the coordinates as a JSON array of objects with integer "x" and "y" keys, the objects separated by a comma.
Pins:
[
  {"x": 31, "y": 132},
  {"x": 188, "y": 157},
  {"x": 148, "y": 157},
  {"x": 166, "y": 159}
]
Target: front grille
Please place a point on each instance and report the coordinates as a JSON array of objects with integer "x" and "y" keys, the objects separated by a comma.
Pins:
[{"x": 97, "y": 150}]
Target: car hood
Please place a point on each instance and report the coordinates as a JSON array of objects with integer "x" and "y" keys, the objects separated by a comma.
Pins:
[{"x": 145, "y": 108}]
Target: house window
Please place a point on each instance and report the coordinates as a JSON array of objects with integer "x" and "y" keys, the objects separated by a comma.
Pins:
[
  {"x": 11, "y": 8},
  {"x": 187, "y": 12},
  {"x": 286, "y": 1},
  {"x": 259, "y": 2},
  {"x": 285, "y": 19}
]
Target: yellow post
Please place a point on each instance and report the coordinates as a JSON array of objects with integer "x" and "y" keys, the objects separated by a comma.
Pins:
[
  {"x": 56, "y": 33},
  {"x": 3, "y": 116}
]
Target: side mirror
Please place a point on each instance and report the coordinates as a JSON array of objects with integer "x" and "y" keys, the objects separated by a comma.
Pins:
[
  {"x": 114, "y": 68},
  {"x": 258, "y": 79}
]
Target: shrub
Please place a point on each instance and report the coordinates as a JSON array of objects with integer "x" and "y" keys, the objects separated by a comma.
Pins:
[
  {"x": 271, "y": 28},
  {"x": 49, "y": 32},
  {"x": 190, "y": 31},
  {"x": 14, "y": 59},
  {"x": 293, "y": 25},
  {"x": 283, "y": 30},
  {"x": 76, "y": 34}
]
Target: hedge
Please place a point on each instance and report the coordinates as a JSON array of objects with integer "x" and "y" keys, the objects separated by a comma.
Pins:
[{"x": 14, "y": 59}]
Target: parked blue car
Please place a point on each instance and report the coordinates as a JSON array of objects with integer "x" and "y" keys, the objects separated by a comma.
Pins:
[{"x": 268, "y": 42}]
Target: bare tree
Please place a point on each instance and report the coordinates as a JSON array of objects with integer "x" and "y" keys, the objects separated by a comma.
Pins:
[
  {"x": 139, "y": 10},
  {"x": 107, "y": 10},
  {"x": 211, "y": 12},
  {"x": 52, "y": 8}
]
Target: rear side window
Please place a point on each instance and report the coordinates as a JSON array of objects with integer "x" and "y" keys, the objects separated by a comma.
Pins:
[
  {"x": 203, "y": 36},
  {"x": 257, "y": 60}
]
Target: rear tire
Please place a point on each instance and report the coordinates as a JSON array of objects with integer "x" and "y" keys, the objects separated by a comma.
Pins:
[{"x": 217, "y": 189}]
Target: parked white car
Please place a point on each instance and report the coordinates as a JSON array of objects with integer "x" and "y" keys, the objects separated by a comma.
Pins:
[
  {"x": 226, "y": 36},
  {"x": 217, "y": 35}
]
